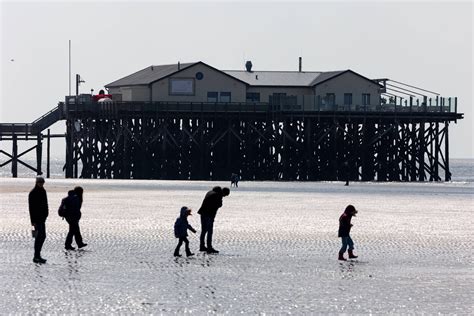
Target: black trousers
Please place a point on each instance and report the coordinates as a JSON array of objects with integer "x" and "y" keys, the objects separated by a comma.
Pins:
[
  {"x": 207, "y": 227},
  {"x": 74, "y": 231},
  {"x": 186, "y": 245},
  {"x": 39, "y": 239}
]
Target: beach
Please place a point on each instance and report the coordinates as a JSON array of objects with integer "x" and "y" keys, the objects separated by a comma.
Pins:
[{"x": 278, "y": 249}]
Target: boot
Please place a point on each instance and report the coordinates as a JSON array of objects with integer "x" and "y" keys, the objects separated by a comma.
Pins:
[
  {"x": 341, "y": 257},
  {"x": 352, "y": 255},
  {"x": 202, "y": 248},
  {"x": 39, "y": 260},
  {"x": 212, "y": 250},
  {"x": 189, "y": 253}
]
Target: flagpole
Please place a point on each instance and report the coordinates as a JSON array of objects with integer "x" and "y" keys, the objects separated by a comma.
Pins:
[{"x": 69, "y": 67}]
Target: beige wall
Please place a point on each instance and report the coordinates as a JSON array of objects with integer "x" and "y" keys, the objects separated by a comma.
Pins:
[
  {"x": 349, "y": 83},
  {"x": 132, "y": 93},
  {"x": 213, "y": 81},
  {"x": 265, "y": 92}
]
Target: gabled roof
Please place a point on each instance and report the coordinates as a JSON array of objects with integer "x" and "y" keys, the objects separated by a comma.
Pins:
[
  {"x": 152, "y": 74},
  {"x": 326, "y": 76},
  {"x": 149, "y": 74},
  {"x": 274, "y": 78},
  {"x": 287, "y": 78},
  {"x": 332, "y": 74}
]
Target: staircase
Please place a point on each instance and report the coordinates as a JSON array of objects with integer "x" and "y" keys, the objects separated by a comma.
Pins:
[{"x": 36, "y": 127}]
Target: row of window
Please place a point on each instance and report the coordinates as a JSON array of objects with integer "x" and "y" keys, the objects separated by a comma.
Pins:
[
  {"x": 213, "y": 96},
  {"x": 329, "y": 99}
]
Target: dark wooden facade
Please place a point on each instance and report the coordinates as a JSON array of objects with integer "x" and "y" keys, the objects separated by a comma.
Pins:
[{"x": 209, "y": 142}]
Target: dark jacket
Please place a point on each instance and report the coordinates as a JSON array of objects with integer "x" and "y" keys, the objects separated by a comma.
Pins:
[
  {"x": 211, "y": 203},
  {"x": 38, "y": 205},
  {"x": 344, "y": 225},
  {"x": 181, "y": 225},
  {"x": 73, "y": 206}
]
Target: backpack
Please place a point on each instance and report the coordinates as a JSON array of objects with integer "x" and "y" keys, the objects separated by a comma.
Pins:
[{"x": 62, "y": 211}]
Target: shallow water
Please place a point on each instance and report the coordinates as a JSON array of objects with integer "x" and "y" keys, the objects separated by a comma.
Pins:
[{"x": 278, "y": 250}]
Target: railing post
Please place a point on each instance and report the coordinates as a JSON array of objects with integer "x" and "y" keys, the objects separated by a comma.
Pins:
[
  {"x": 411, "y": 103},
  {"x": 14, "y": 157},
  {"x": 48, "y": 154},
  {"x": 455, "y": 105},
  {"x": 39, "y": 153}
]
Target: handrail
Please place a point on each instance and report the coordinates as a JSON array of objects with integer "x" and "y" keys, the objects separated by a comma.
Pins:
[{"x": 45, "y": 115}]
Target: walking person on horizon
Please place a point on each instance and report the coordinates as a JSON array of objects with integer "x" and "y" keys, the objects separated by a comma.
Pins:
[
  {"x": 346, "y": 172},
  {"x": 234, "y": 180},
  {"x": 208, "y": 210},
  {"x": 181, "y": 227},
  {"x": 39, "y": 211},
  {"x": 344, "y": 230},
  {"x": 73, "y": 215}
]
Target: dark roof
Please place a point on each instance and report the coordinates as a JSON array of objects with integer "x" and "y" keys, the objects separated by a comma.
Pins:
[
  {"x": 284, "y": 78},
  {"x": 148, "y": 75},
  {"x": 254, "y": 78},
  {"x": 326, "y": 76}
]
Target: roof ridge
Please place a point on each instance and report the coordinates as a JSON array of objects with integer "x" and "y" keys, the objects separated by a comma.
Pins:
[{"x": 288, "y": 71}]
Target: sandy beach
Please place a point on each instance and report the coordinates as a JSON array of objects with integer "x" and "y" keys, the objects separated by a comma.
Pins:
[{"x": 278, "y": 244}]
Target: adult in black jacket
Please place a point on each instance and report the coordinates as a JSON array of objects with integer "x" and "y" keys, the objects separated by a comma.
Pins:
[
  {"x": 208, "y": 210},
  {"x": 38, "y": 207},
  {"x": 73, "y": 211}
]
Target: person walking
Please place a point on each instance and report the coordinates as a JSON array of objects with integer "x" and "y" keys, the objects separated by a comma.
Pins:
[
  {"x": 39, "y": 211},
  {"x": 73, "y": 215},
  {"x": 208, "y": 210},
  {"x": 234, "y": 180},
  {"x": 181, "y": 227},
  {"x": 344, "y": 232}
]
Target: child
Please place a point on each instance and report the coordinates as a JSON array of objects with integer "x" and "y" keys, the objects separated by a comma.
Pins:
[
  {"x": 344, "y": 229},
  {"x": 181, "y": 227}
]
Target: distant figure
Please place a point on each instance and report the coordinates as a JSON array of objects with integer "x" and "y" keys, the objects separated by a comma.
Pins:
[
  {"x": 73, "y": 215},
  {"x": 234, "y": 180},
  {"x": 211, "y": 203},
  {"x": 346, "y": 172},
  {"x": 39, "y": 211},
  {"x": 181, "y": 227},
  {"x": 344, "y": 230}
]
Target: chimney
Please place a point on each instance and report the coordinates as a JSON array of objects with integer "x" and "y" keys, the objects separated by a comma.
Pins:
[
  {"x": 301, "y": 61},
  {"x": 179, "y": 66},
  {"x": 248, "y": 66}
]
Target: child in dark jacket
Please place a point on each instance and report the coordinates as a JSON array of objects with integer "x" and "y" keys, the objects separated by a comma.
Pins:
[
  {"x": 344, "y": 230},
  {"x": 181, "y": 227}
]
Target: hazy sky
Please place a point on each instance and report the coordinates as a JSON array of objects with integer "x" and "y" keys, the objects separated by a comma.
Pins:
[{"x": 426, "y": 44}]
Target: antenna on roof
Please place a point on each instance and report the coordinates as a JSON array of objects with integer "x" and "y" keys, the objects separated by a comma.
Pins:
[
  {"x": 300, "y": 63},
  {"x": 248, "y": 66}
]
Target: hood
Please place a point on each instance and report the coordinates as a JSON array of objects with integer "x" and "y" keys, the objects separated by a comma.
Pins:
[
  {"x": 350, "y": 210},
  {"x": 184, "y": 212},
  {"x": 71, "y": 193}
]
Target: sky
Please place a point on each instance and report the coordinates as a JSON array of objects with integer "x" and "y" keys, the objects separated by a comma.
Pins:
[{"x": 428, "y": 44}]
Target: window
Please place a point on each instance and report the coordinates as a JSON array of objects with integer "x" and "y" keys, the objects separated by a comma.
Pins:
[
  {"x": 212, "y": 97},
  {"x": 365, "y": 98},
  {"x": 330, "y": 99},
  {"x": 253, "y": 97},
  {"x": 225, "y": 97},
  {"x": 347, "y": 98},
  {"x": 181, "y": 86}
]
